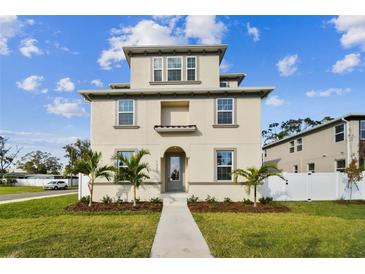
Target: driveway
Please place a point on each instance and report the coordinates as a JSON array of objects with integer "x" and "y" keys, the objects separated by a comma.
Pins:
[{"x": 12, "y": 198}]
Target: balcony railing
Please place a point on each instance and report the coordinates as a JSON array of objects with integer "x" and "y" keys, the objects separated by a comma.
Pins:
[{"x": 175, "y": 128}]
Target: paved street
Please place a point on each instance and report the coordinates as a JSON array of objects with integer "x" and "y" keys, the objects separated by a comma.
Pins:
[{"x": 10, "y": 198}]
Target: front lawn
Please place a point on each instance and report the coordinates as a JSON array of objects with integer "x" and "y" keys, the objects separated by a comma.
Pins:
[
  {"x": 19, "y": 189},
  {"x": 315, "y": 229},
  {"x": 41, "y": 228}
]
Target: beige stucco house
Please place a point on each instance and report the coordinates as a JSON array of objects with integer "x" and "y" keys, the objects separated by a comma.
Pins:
[
  {"x": 197, "y": 123},
  {"x": 325, "y": 148}
]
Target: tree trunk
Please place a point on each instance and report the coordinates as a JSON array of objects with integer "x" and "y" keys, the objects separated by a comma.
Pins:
[
  {"x": 254, "y": 196},
  {"x": 134, "y": 195},
  {"x": 91, "y": 189}
]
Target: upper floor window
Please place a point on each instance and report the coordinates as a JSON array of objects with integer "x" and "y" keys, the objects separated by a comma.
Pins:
[
  {"x": 362, "y": 130},
  {"x": 311, "y": 168},
  {"x": 157, "y": 69},
  {"x": 223, "y": 84},
  {"x": 126, "y": 112},
  {"x": 174, "y": 68},
  {"x": 340, "y": 165},
  {"x": 224, "y": 165},
  {"x": 225, "y": 111},
  {"x": 191, "y": 68},
  {"x": 291, "y": 146},
  {"x": 127, "y": 154},
  {"x": 299, "y": 144},
  {"x": 340, "y": 133}
]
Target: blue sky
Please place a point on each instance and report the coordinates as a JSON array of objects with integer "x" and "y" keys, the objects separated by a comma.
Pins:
[{"x": 316, "y": 64}]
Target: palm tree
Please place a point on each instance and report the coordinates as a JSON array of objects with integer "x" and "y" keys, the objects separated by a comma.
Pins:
[
  {"x": 133, "y": 170},
  {"x": 255, "y": 176},
  {"x": 89, "y": 165}
]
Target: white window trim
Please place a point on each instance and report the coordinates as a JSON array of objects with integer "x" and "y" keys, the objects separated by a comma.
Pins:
[
  {"x": 196, "y": 67},
  {"x": 362, "y": 129},
  {"x": 216, "y": 110},
  {"x": 292, "y": 146},
  {"x": 133, "y": 112},
  {"x": 297, "y": 144},
  {"x": 216, "y": 164},
  {"x": 342, "y": 132},
  {"x": 167, "y": 68},
  {"x": 153, "y": 69}
]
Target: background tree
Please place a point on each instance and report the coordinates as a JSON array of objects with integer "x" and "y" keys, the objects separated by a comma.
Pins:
[
  {"x": 75, "y": 151},
  {"x": 354, "y": 176},
  {"x": 133, "y": 170},
  {"x": 39, "y": 162},
  {"x": 255, "y": 177},
  {"x": 8, "y": 155},
  {"x": 89, "y": 165}
]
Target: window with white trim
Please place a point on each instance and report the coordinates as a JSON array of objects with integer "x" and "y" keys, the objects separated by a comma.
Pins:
[
  {"x": 224, "y": 111},
  {"x": 191, "y": 68},
  {"x": 340, "y": 133},
  {"x": 157, "y": 69},
  {"x": 174, "y": 68},
  {"x": 126, "y": 112},
  {"x": 311, "y": 167},
  {"x": 126, "y": 154},
  {"x": 224, "y": 165},
  {"x": 291, "y": 146},
  {"x": 299, "y": 144},
  {"x": 362, "y": 130},
  {"x": 341, "y": 165}
]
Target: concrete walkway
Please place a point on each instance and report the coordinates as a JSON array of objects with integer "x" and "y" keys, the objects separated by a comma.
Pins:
[
  {"x": 178, "y": 236},
  {"x": 26, "y": 196}
]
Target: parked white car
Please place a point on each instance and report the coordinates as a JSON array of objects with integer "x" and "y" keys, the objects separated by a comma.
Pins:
[{"x": 55, "y": 185}]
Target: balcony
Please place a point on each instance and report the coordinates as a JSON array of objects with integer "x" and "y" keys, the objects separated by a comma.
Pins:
[{"x": 175, "y": 128}]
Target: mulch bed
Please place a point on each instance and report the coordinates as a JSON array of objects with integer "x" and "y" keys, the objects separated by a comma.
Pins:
[
  {"x": 353, "y": 202},
  {"x": 236, "y": 207},
  {"x": 100, "y": 207}
]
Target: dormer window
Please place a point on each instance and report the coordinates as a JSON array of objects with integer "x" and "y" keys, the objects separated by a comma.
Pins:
[
  {"x": 191, "y": 68},
  {"x": 157, "y": 69},
  {"x": 223, "y": 84},
  {"x": 174, "y": 68}
]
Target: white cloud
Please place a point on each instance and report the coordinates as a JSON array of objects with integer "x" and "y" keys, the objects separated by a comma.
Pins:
[
  {"x": 66, "y": 108},
  {"x": 65, "y": 49},
  {"x": 28, "y": 47},
  {"x": 274, "y": 101},
  {"x": 65, "y": 84},
  {"x": 30, "y": 22},
  {"x": 97, "y": 83},
  {"x": 204, "y": 28},
  {"x": 253, "y": 32},
  {"x": 288, "y": 65},
  {"x": 225, "y": 66},
  {"x": 9, "y": 27},
  {"x": 352, "y": 29},
  {"x": 327, "y": 92},
  {"x": 31, "y": 83},
  {"x": 347, "y": 64}
]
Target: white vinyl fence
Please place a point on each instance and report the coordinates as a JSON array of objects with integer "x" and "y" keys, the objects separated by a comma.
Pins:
[
  {"x": 315, "y": 187},
  {"x": 43, "y": 181}
]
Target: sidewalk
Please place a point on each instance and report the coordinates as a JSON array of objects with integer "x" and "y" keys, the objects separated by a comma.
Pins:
[{"x": 178, "y": 236}]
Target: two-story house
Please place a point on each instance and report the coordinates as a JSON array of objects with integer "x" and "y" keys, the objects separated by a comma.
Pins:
[
  {"x": 198, "y": 124},
  {"x": 328, "y": 147}
]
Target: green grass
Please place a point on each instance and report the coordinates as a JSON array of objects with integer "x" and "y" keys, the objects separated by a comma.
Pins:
[
  {"x": 316, "y": 229},
  {"x": 19, "y": 189},
  {"x": 41, "y": 228}
]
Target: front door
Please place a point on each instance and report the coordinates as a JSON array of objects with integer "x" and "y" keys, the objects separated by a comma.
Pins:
[{"x": 174, "y": 172}]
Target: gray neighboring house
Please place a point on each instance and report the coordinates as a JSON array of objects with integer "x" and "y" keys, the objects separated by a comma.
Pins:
[{"x": 325, "y": 148}]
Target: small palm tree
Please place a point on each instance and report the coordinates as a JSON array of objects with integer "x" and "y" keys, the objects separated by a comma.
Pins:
[
  {"x": 256, "y": 176},
  {"x": 133, "y": 170},
  {"x": 89, "y": 165}
]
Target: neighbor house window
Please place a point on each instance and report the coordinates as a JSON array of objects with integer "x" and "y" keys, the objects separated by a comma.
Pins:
[
  {"x": 224, "y": 165},
  {"x": 295, "y": 168},
  {"x": 340, "y": 133},
  {"x": 265, "y": 152},
  {"x": 291, "y": 147},
  {"x": 311, "y": 168},
  {"x": 191, "y": 68},
  {"x": 341, "y": 165},
  {"x": 174, "y": 68},
  {"x": 224, "y": 84},
  {"x": 299, "y": 144},
  {"x": 157, "y": 69},
  {"x": 126, "y": 112},
  {"x": 224, "y": 111},
  {"x": 362, "y": 130}
]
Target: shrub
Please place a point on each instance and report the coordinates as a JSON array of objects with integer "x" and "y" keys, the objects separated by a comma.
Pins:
[
  {"x": 156, "y": 200},
  {"x": 193, "y": 199},
  {"x": 265, "y": 200},
  {"x": 8, "y": 181},
  {"x": 85, "y": 199},
  {"x": 247, "y": 202},
  {"x": 227, "y": 200},
  {"x": 106, "y": 200},
  {"x": 210, "y": 199}
]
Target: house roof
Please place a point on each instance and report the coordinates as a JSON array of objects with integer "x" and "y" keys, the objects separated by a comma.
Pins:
[
  {"x": 233, "y": 76},
  {"x": 259, "y": 91},
  {"x": 174, "y": 49},
  {"x": 119, "y": 85},
  {"x": 347, "y": 117}
]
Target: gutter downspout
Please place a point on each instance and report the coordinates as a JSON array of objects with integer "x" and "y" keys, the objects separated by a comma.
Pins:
[{"x": 347, "y": 141}]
